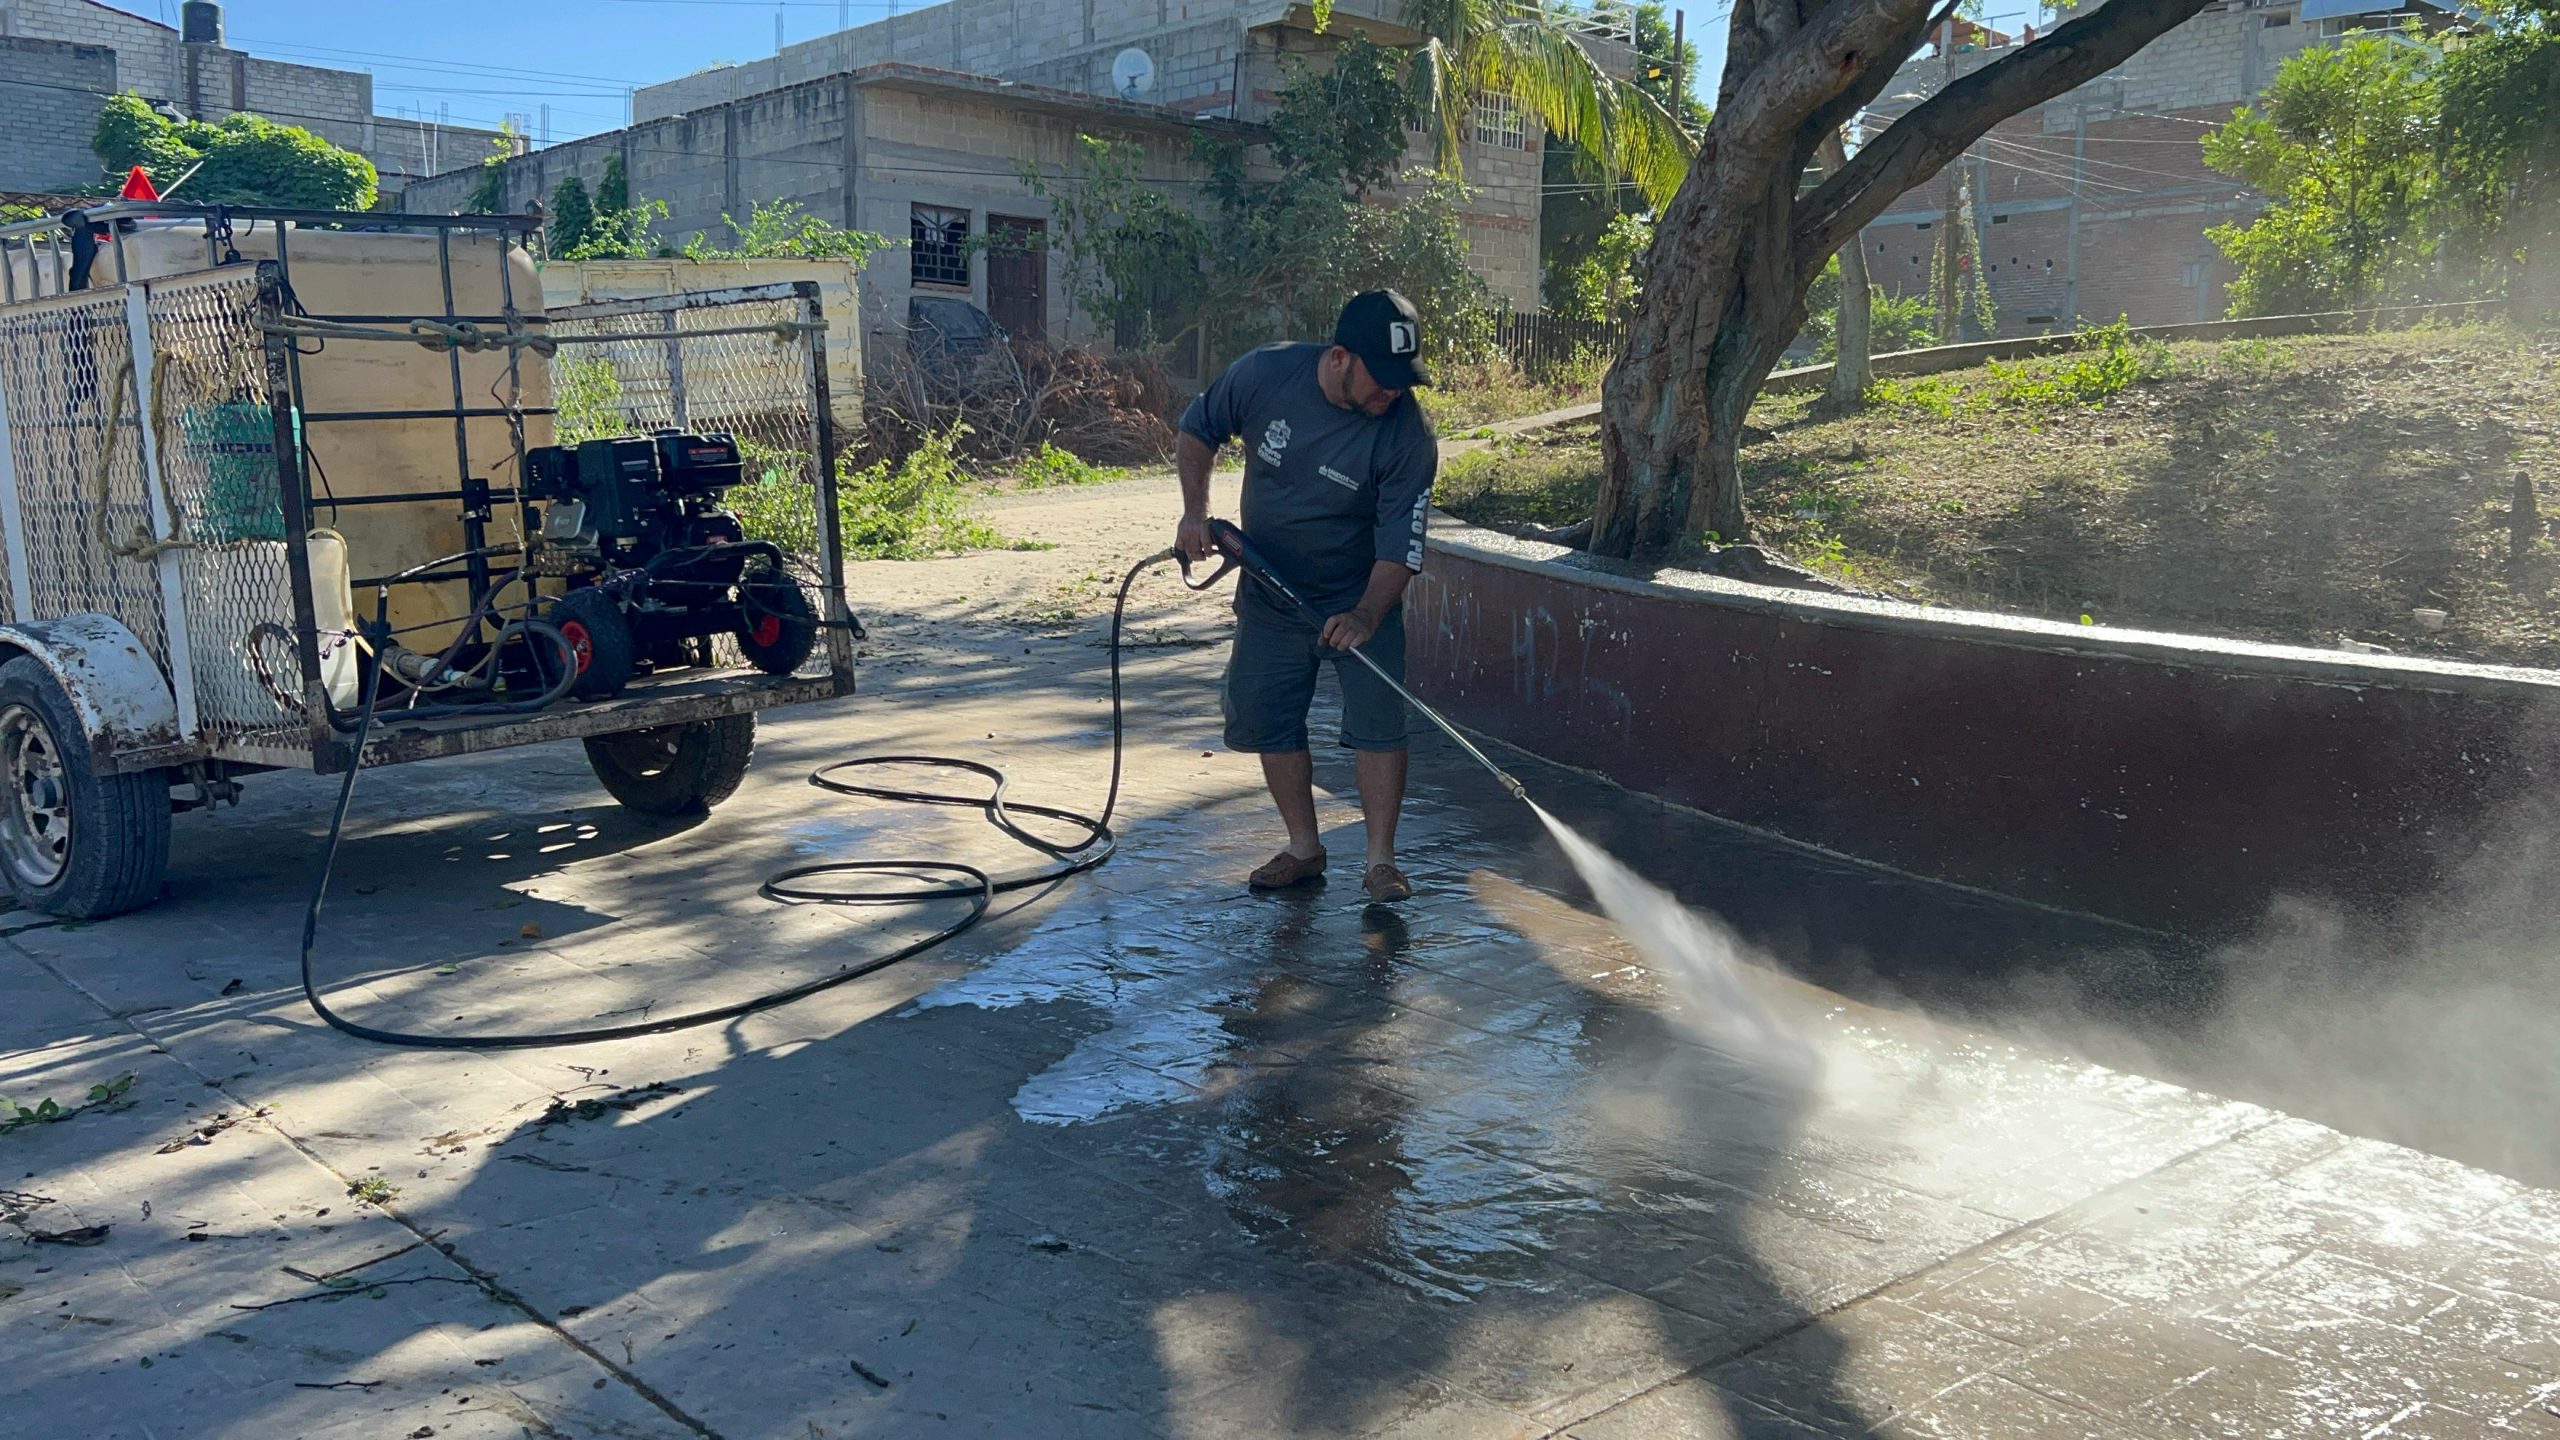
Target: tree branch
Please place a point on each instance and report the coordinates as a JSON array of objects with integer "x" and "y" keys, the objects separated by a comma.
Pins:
[{"x": 1919, "y": 144}]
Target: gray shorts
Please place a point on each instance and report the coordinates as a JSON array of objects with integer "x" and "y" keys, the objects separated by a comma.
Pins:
[{"x": 1271, "y": 679}]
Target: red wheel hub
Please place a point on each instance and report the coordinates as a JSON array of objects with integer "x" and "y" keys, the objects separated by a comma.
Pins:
[
  {"x": 768, "y": 630},
  {"x": 582, "y": 646}
]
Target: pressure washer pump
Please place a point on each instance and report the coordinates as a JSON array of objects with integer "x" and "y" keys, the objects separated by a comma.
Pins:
[{"x": 658, "y": 566}]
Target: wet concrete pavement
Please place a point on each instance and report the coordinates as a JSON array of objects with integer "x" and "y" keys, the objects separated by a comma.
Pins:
[{"x": 1146, "y": 1155}]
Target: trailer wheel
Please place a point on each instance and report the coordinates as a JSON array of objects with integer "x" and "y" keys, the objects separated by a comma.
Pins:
[
  {"x": 777, "y": 629},
  {"x": 675, "y": 769},
  {"x": 599, "y": 637},
  {"x": 74, "y": 843}
]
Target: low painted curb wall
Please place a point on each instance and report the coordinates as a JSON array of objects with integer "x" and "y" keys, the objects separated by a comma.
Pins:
[{"x": 2167, "y": 781}]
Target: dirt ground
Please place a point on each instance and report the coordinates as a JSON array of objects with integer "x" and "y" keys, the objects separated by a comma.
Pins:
[{"x": 2311, "y": 491}]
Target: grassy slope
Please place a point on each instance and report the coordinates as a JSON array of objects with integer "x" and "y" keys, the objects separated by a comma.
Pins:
[{"x": 2297, "y": 490}]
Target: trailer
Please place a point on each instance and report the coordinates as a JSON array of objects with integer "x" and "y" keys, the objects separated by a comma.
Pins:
[{"x": 317, "y": 490}]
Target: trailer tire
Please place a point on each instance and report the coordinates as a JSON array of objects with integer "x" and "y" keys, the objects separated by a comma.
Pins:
[
  {"x": 675, "y": 770},
  {"x": 777, "y": 629},
  {"x": 74, "y": 843},
  {"x": 600, "y": 637}
]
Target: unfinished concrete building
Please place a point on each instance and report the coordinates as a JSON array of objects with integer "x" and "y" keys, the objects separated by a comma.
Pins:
[
  {"x": 60, "y": 60},
  {"x": 919, "y": 125},
  {"x": 2095, "y": 204}
]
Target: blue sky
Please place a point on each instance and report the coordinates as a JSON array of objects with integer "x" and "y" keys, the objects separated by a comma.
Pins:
[{"x": 485, "y": 58}]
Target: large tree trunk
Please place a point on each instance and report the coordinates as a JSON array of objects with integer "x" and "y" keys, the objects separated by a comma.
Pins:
[
  {"x": 1736, "y": 248},
  {"x": 1850, "y": 372}
]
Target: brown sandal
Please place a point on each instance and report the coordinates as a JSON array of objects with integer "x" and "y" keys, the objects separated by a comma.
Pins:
[
  {"x": 1386, "y": 884},
  {"x": 1284, "y": 870}
]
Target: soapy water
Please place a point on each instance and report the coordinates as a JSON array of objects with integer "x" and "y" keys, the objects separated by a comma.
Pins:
[{"x": 1699, "y": 958}]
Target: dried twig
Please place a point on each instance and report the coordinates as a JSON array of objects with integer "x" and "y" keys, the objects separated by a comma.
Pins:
[
  {"x": 360, "y": 1290},
  {"x": 361, "y": 1264}
]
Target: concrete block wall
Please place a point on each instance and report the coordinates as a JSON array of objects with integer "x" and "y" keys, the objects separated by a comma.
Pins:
[
  {"x": 146, "y": 52},
  {"x": 48, "y": 106}
]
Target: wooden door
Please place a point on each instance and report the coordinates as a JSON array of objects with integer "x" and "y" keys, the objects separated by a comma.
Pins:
[{"x": 1018, "y": 276}]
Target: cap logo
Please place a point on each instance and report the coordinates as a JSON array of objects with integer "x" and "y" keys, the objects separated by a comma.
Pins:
[{"x": 1401, "y": 339}]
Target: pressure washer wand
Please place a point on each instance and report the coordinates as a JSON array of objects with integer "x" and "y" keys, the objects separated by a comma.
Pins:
[{"x": 1241, "y": 554}]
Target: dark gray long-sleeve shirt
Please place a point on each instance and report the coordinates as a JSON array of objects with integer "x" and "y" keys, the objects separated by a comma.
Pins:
[{"x": 1328, "y": 491}]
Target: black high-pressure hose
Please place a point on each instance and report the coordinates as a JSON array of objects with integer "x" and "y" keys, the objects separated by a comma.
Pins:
[{"x": 968, "y": 883}]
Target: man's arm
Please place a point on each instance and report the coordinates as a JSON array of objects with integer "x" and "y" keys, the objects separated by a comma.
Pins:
[
  {"x": 1352, "y": 628},
  {"x": 1192, "y": 457}
]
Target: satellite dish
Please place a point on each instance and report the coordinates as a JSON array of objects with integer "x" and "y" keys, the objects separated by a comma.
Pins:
[{"x": 1133, "y": 74}]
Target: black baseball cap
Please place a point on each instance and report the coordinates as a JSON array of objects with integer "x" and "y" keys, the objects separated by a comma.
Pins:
[{"x": 1385, "y": 331}]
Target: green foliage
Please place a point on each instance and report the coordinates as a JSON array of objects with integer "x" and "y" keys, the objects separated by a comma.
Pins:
[
  {"x": 1475, "y": 48},
  {"x": 586, "y": 395},
  {"x": 622, "y": 234},
  {"x": 911, "y": 509},
  {"x": 1132, "y": 256},
  {"x": 1894, "y": 322},
  {"x": 489, "y": 196},
  {"x": 2346, "y": 142},
  {"x": 12, "y": 213},
  {"x": 245, "y": 160},
  {"x": 2104, "y": 360},
  {"x": 781, "y": 230},
  {"x": 1288, "y": 250},
  {"x": 2111, "y": 358},
  {"x": 2499, "y": 149},
  {"x": 47, "y": 1111},
  {"x": 613, "y": 192},
  {"x": 1933, "y": 395},
  {"x": 573, "y": 217},
  {"x": 1050, "y": 467},
  {"x": 372, "y": 1190},
  {"x": 1608, "y": 281},
  {"x": 619, "y": 230}
]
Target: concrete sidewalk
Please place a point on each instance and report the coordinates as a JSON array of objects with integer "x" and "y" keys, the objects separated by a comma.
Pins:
[{"x": 1147, "y": 1155}]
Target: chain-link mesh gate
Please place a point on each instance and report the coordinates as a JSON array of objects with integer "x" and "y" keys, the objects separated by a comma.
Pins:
[
  {"x": 215, "y": 423},
  {"x": 745, "y": 362},
  {"x": 75, "y": 404}
]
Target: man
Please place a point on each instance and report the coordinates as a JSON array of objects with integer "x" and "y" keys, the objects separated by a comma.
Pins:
[{"x": 1339, "y": 461}]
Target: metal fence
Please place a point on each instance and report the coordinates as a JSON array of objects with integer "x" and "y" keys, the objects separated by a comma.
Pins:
[
  {"x": 744, "y": 362},
  {"x": 1543, "y": 346},
  {"x": 75, "y": 427},
  {"x": 214, "y": 426}
]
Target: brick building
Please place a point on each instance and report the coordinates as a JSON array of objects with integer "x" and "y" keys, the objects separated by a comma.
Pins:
[
  {"x": 61, "y": 59},
  {"x": 918, "y": 126},
  {"x": 2095, "y": 204}
]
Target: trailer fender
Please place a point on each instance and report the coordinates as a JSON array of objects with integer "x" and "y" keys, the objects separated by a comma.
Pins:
[{"x": 115, "y": 686}]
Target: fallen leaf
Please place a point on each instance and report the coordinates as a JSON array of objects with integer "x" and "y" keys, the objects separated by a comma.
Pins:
[
  {"x": 85, "y": 1235},
  {"x": 530, "y": 931},
  {"x": 233, "y": 988}
]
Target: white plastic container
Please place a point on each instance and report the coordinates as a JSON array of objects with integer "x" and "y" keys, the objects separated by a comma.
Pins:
[{"x": 333, "y": 607}]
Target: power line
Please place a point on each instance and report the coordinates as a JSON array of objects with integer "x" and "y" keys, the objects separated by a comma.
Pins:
[
  {"x": 463, "y": 66},
  {"x": 2188, "y": 177}
]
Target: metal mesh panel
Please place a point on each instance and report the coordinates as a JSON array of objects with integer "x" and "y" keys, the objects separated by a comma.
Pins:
[
  {"x": 758, "y": 387},
  {"x": 67, "y": 382},
  {"x": 217, "y": 459}
]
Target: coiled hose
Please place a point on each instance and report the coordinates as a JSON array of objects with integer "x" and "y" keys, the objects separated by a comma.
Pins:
[{"x": 966, "y": 883}]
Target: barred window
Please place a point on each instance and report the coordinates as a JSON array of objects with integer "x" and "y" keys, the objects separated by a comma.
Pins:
[
  {"x": 1500, "y": 123},
  {"x": 939, "y": 252}
]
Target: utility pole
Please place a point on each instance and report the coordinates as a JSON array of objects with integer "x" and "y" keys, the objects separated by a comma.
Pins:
[
  {"x": 1947, "y": 219},
  {"x": 844, "y": 14},
  {"x": 777, "y": 27}
]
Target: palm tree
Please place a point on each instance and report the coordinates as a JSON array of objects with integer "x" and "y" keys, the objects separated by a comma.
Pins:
[{"x": 1475, "y": 48}]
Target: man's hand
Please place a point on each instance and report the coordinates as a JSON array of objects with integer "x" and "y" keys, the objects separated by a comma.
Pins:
[
  {"x": 1348, "y": 631},
  {"x": 1191, "y": 537}
]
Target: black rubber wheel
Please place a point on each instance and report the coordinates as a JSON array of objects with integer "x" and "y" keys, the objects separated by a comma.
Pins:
[
  {"x": 675, "y": 769},
  {"x": 601, "y": 639},
  {"x": 778, "y": 628},
  {"x": 74, "y": 843}
]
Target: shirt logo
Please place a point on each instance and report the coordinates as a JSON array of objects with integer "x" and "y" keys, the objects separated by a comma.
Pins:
[
  {"x": 1337, "y": 477},
  {"x": 1275, "y": 439}
]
